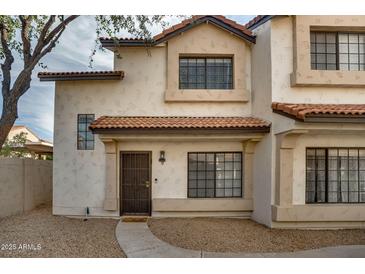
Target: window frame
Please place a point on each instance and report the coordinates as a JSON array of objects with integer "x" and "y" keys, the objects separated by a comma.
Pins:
[
  {"x": 230, "y": 81},
  {"x": 87, "y": 130},
  {"x": 327, "y": 176},
  {"x": 337, "y": 51},
  {"x": 215, "y": 170}
]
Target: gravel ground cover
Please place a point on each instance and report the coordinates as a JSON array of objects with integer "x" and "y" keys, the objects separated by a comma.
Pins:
[
  {"x": 239, "y": 235},
  {"x": 40, "y": 234}
]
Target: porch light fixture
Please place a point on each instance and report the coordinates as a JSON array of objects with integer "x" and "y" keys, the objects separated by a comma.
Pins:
[{"x": 162, "y": 158}]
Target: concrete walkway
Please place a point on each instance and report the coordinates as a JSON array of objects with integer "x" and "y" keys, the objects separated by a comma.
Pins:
[{"x": 137, "y": 241}]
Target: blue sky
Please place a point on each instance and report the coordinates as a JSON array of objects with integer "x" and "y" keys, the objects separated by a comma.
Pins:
[{"x": 36, "y": 107}]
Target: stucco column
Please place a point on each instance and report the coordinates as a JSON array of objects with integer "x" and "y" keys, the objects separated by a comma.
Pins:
[
  {"x": 248, "y": 148},
  {"x": 111, "y": 184},
  {"x": 284, "y": 187}
]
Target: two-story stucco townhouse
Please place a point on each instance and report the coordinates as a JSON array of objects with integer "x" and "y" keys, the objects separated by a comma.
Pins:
[{"x": 213, "y": 118}]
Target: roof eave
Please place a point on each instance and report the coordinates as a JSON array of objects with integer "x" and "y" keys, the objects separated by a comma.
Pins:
[
  {"x": 265, "y": 129},
  {"x": 110, "y": 43},
  {"x": 51, "y": 78},
  {"x": 324, "y": 118}
]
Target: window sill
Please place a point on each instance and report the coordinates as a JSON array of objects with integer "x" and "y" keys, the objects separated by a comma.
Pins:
[
  {"x": 201, "y": 204},
  {"x": 333, "y": 78},
  {"x": 207, "y": 95},
  {"x": 319, "y": 213}
]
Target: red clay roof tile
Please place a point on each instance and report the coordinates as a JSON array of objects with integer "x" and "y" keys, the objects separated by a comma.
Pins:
[
  {"x": 154, "y": 122},
  {"x": 194, "y": 18},
  {"x": 302, "y": 111},
  {"x": 241, "y": 28},
  {"x": 257, "y": 19}
]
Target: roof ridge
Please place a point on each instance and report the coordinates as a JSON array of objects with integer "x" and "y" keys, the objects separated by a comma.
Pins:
[{"x": 236, "y": 28}]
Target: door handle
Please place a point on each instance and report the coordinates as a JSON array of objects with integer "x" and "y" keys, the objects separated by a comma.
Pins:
[{"x": 148, "y": 184}]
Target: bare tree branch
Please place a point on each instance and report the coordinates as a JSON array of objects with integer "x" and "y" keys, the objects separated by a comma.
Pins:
[
  {"x": 57, "y": 29},
  {"x": 45, "y": 41},
  {"x": 9, "y": 59},
  {"x": 46, "y": 27},
  {"x": 21, "y": 84}
]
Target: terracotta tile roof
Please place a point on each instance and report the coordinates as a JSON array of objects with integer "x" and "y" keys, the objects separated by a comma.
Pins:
[
  {"x": 238, "y": 28},
  {"x": 303, "y": 111},
  {"x": 257, "y": 20},
  {"x": 194, "y": 18},
  {"x": 154, "y": 122},
  {"x": 81, "y": 75}
]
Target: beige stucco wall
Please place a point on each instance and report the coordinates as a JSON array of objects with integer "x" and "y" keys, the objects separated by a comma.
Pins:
[
  {"x": 172, "y": 175},
  {"x": 142, "y": 91},
  {"x": 24, "y": 184}
]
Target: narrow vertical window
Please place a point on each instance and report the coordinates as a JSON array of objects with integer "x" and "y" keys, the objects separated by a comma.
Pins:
[{"x": 85, "y": 138}]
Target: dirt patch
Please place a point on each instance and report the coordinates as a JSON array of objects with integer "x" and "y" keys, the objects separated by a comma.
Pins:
[
  {"x": 238, "y": 235},
  {"x": 39, "y": 234}
]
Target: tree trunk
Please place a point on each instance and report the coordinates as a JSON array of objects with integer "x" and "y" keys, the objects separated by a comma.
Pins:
[
  {"x": 6, "y": 122},
  {"x": 8, "y": 117}
]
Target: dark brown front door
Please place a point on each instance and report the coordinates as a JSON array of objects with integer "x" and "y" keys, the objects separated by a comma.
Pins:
[{"x": 135, "y": 183}]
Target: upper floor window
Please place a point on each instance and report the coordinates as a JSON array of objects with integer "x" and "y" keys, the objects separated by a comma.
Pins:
[
  {"x": 337, "y": 51},
  {"x": 85, "y": 138},
  {"x": 205, "y": 73}
]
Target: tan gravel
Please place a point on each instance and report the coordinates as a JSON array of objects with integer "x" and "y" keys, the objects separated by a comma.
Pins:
[
  {"x": 238, "y": 235},
  {"x": 39, "y": 234}
]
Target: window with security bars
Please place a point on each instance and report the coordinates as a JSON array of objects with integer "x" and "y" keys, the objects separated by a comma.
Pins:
[
  {"x": 85, "y": 138},
  {"x": 205, "y": 73},
  {"x": 214, "y": 174},
  {"x": 335, "y": 175},
  {"x": 337, "y": 51}
]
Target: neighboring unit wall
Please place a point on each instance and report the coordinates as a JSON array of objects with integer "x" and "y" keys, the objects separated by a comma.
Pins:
[
  {"x": 261, "y": 107},
  {"x": 293, "y": 137},
  {"x": 24, "y": 184},
  {"x": 282, "y": 48},
  {"x": 303, "y": 75}
]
